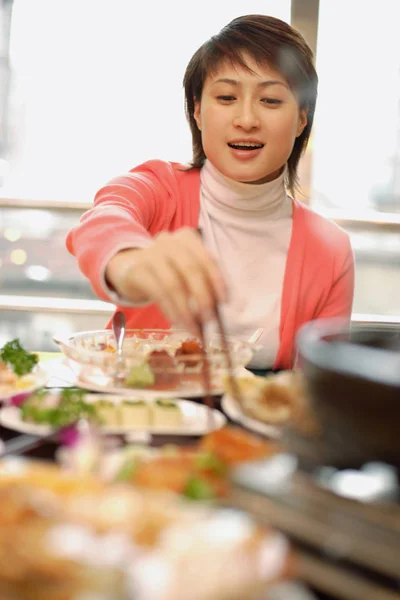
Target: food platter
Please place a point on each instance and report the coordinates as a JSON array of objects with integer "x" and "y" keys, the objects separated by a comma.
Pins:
[
  {"x": 94, "y": 379},
  {"x": 194, "y": 419},
  {"x": 162, "y": 361},
  {"x": 87, "y": 539}
]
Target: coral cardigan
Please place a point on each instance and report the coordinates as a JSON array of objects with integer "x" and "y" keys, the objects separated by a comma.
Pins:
[{"x": 161, "y": 196}]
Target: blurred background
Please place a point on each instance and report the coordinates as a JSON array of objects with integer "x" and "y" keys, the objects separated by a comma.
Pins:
[{"x": 91, "y": 88}]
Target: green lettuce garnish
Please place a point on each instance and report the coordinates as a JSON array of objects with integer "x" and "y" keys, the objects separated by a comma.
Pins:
[{"x": 21, "y": 361}]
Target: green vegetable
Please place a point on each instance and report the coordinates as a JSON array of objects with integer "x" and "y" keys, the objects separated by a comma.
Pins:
[
  {"x": 166, "y": 403},
  {"x": 140, "y": 376},
  {"x": 36, "y": 414},
  {"x": 73, "y": 393},
  {"x": 70, "y": 408},
  {"x": 127, "y": 471},
  {"x": 21, "y": 361},
  {"x": 133, "y": 402},
  {"x": 198, "y": 489},
  {"x": 210, "y": 462}
]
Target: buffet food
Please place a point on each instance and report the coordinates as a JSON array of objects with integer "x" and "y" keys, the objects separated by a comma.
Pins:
[
  {"x": 58, "y": 409},
  {"x": 161, "y": 360},
  {"x": 274, "y": 399},
  {"x": 17, "y": 369},
  {"x": 65, "y": 537},
  {"x": 200, "y": 471}
]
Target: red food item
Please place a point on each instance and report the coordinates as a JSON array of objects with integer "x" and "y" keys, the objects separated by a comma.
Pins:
[
  {"x": 174, "y": 473},
  {"x": 235, "y": 445},
  {"x": 163, "y": 367},
  {"x": 161, "y": 358},
  {"x": 189, "y": 352},
  {"x": 190, "y": 347}
]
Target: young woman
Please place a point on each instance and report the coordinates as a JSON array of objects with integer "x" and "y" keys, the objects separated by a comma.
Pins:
[{"x": 267, "y": 259}]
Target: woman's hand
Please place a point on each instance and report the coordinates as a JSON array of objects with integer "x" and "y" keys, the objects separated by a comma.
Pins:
[{"x": 176, "y": 272}]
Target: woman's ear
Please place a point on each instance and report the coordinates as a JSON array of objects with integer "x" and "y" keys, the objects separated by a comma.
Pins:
[
  {"x": 196, "y": 113},
  {"x": 302, "y": 122}
]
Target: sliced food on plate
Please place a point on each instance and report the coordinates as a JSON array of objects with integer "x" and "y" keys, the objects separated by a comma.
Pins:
[
  {"x": 60, "y": 409},
  {"x": 47, "y": 410}
]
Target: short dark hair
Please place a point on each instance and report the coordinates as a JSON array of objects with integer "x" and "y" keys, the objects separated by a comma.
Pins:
[{"x": 267, "y": 40}]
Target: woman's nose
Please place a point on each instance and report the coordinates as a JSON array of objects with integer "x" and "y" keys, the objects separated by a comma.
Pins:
[{"x": 247, "y": 117}]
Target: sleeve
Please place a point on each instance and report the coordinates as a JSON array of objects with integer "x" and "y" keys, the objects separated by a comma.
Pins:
[
  {"x": 339, "y": 301},
  {"x": 124, "y": 214}
]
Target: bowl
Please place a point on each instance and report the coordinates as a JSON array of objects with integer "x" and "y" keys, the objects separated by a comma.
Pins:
[
  {"x": 353, "y": 380},
  {"x": 160, "y": 351}
]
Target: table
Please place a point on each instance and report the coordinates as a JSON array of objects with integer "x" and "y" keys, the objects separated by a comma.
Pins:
[{"x": 345, "y": 549}]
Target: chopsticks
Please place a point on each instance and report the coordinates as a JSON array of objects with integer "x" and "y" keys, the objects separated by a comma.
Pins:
[
  {"x": 225, "y": 347},
  {"x": 208, "y": 396},
  {"x": 226, "y": 351}
]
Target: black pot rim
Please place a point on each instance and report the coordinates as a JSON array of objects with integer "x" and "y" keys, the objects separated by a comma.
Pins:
[{"x": 375, "y": 365}]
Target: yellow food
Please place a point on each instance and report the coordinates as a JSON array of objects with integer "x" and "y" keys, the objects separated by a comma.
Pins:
[{"x": 272, "y": 399}]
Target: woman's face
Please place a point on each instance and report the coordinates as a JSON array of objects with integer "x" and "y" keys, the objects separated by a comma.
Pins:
[{"x": 249, "y": 121}]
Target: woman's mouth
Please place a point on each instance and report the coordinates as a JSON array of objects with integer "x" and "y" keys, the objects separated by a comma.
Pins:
[
  {"x": 245, "y": 145},
  {"x": 245, "y": 150}
]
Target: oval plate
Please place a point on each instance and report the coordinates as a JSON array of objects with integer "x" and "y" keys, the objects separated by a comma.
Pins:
[
  {"x": 234, "y": 412},
  {"x": 197, "y": 419}
]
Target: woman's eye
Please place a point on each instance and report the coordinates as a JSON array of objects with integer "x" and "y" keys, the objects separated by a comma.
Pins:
[
  {"x": 272, "y": 101},
  {"x": 226, "y": 98}
]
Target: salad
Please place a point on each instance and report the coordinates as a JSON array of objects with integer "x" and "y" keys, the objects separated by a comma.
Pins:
[
  {"x": 16, "y": 368},
  {"x": 46, "y": 408}
]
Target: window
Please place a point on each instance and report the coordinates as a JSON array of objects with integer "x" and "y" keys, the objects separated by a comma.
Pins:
[
  {"x": 96, "y": 88},
  {"x": 356, "y": 150},
  {"x": 92, "y": 88}
]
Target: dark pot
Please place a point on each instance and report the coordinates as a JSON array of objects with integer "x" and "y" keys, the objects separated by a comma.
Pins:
[{"x": 354, "y": 386}]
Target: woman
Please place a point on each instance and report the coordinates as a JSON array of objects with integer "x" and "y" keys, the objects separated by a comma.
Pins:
[{"x": 270, "y": 261}]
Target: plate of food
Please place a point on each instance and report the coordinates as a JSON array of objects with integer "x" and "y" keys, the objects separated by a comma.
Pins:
[
  {"x": 19, "y": 371},
  {"x": 94, "y": 379},
  {"x": 199, "y": 471},
  {"x": 167, "y": 362},
  {"x": 49, "y": 410},
  {"x": 87, "y": 538},
  {"x": 266, "y": 403}
]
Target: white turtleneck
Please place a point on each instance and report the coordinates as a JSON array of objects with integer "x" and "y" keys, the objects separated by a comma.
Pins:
[{"x": 247, "y": 228}]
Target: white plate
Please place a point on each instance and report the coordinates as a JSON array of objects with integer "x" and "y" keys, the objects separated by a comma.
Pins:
[
  {"x": 38, "y": 378},
  {"x": 61, "y": 372},
  {"x": 93, "y": 379},
  {"x": 232, "y": 408},
  {"x": 197, "y": 419}
]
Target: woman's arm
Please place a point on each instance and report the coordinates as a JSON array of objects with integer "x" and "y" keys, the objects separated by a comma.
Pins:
[
  {"x": 128, "y": 249},
  {"x": 125, "y": 214}
]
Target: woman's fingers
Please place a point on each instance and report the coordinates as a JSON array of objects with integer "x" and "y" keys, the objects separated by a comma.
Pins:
[
  {"x": 161, "y": 283},
  {"x": 200, "y": 296},
  {"x": 177, "y": 273},
  {"x": 196, "y": 266}
]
